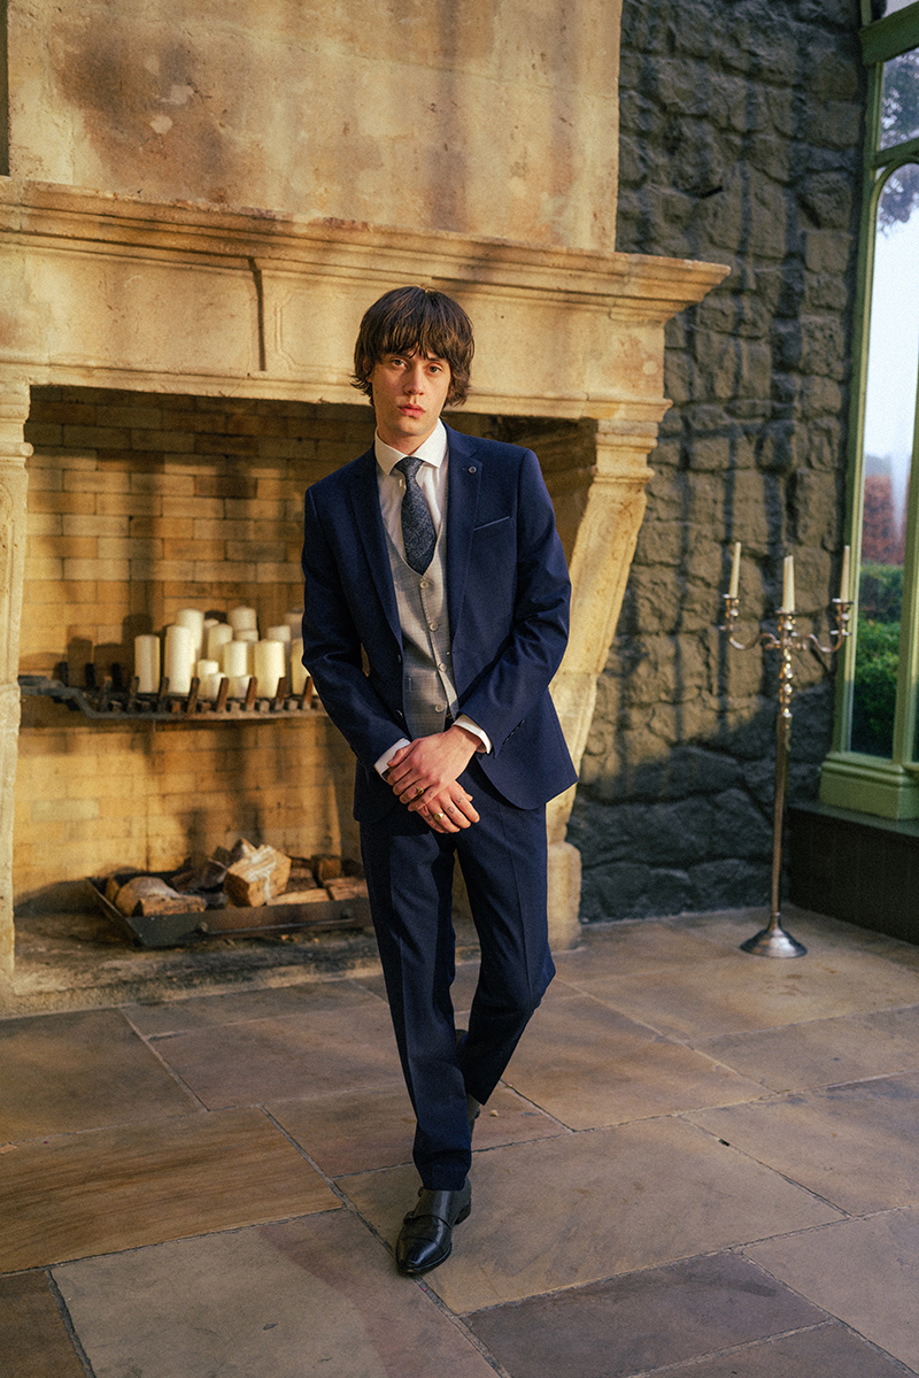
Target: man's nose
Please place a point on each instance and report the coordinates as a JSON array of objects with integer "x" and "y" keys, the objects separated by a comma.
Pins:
[{"x": 414, "y": 380}]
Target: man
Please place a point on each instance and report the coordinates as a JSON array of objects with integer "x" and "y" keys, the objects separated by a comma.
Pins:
[{"x": 436, "y": 613}]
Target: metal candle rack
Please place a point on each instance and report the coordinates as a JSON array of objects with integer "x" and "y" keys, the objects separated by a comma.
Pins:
[
  {"x": 113, "y": 699},
  {"x": 773, "y": 940}
]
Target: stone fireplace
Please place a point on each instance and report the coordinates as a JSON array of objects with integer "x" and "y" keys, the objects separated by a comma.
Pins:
[{"x": 173, "y": 374}]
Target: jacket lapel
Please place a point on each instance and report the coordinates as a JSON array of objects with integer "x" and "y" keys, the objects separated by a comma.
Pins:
[
  {"x": 368, "y": 521},
  {"x": 464, "y": 476}
]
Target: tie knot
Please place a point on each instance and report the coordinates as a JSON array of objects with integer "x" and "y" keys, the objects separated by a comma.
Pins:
[{"x": 409, "y": 466}]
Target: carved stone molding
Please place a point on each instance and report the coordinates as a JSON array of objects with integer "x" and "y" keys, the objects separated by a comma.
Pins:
[{"x": 14, "y": 409}]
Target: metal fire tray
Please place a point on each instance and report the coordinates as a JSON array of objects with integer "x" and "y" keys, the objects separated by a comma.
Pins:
[{"x": 177, "y": 930}]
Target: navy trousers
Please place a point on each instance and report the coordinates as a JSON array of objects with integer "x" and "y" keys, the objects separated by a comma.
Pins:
[{"x": 409, "y": 872}]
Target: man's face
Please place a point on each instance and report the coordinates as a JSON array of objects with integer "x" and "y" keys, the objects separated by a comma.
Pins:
[{"x": 409, "y": 392}]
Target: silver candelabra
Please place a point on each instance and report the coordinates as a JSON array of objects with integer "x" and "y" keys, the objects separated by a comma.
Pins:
[{"x": 773, "y": 940}]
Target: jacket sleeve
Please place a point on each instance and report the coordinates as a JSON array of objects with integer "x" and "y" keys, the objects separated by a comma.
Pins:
[
  {"x": 332, "y": 646},
  {"x": 516, "y": 677}
]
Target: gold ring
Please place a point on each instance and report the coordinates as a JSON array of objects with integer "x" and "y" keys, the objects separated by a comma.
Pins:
[
  {"x": 437, "y": 815},
  {"x": 418, "y": 792}
]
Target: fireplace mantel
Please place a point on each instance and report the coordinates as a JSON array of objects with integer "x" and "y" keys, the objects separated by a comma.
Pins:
[{"x": 109, "y": 291}]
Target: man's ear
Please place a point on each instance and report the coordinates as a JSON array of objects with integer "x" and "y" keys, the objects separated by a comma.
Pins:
[{"x": 367, "y": 366}]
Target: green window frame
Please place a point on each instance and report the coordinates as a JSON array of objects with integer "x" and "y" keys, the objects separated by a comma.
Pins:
[{"x": 874, "y": 765}]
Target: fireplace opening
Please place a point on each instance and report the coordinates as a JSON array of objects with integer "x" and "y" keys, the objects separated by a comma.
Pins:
[{"x": 142, "y": 505}]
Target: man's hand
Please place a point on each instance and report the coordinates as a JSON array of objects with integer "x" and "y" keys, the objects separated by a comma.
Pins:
[{"x": 424, "y": 776}]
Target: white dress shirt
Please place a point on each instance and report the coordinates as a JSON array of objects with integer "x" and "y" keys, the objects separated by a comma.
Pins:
[{"x": 431, "y": 478}]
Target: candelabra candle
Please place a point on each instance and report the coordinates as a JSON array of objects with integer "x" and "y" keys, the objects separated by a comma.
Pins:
[{"x": 773, "y": 940}]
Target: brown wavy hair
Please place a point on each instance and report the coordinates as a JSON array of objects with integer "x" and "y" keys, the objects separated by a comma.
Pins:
[{"x": 410, "y": 318}]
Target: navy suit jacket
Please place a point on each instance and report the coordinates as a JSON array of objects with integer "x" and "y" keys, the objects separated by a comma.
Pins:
[{"x": 508, "y": 596}]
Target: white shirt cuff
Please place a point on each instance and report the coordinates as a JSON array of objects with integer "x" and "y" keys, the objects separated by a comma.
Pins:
[
  {"x": 381, "y": 765},
  {"x": 470, "y": 726}
]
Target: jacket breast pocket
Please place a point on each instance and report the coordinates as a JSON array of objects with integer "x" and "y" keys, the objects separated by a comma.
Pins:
[{"x": 490, "y": 528}]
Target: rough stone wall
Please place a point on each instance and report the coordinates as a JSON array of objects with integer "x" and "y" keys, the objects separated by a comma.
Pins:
[{"x": 740, "y": 142}]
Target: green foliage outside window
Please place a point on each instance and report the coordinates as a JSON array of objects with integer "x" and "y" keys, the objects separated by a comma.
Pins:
[{"x": 877, "y": 657}]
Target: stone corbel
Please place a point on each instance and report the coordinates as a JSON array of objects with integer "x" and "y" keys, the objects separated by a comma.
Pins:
[
  {"x": 600, "y": 508},
  {"x": 14, "y": 410}
]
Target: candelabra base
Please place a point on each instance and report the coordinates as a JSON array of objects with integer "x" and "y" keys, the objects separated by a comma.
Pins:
[{"x": 773, "y": 941}]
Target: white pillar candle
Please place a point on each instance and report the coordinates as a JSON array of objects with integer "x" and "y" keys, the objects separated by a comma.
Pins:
[
  {"x": 270, "y": 666},
  {"x": 194, "y": 620},
  {"x": 179, "y": 658},
  {"x": 208, "y": 672},
  {"x": 218, "y": 636},
  {"x": 247, "y": 637},
  {"x": 788, "y": 585},
  {"x": 735, "y": 571},
  {"x": 844, "y": 594},
  {"x": 241, "y": 619},
  {"x": 297, "y": 668},
  {"x": 278, "y": 633},
  {"x": 294, "y": 620},
  {"x": 147, "y": 663},
  {"x": 234, "y": 667}
]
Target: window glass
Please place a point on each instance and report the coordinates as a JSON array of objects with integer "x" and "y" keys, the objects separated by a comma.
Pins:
[
  {"x": 900, "y": 99},
  {"x": 890, "y": 411}
]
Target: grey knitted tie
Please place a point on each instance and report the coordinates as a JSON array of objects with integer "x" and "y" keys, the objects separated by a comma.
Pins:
[{"x": 418, "y": 532}]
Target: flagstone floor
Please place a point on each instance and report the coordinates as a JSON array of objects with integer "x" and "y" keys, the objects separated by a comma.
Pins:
[{"x": 701, "y": 1164}]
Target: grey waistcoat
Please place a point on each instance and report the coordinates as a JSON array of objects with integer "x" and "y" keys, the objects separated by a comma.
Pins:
[{"x": 428, "y": 691}]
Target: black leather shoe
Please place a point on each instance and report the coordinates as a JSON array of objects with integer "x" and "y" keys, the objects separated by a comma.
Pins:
[{"x": 426, "y": 1237}]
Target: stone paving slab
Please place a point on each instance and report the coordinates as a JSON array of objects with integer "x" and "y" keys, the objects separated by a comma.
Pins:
[
  {"x": 257, "y": 1060},
  {"x": 34, "y": 1342},
  {"x": 197, "y": 1012},
  {"x": 828, "y": 1352},
  {"x": 248, "y": 1262},
  {"x": 66, "y": 1072},
  {"x": 729, "y": 928},
  {"x": 358, "y": 1131},
  {"x": 570, "y": 1210},
  {"x": 740, "y": 992},
  {"x": 113, "y": 1189},
  {"x": 854, "y": 1145},
  {"x": 308, "y": 1297},
  {"x": 865, "y": 1272},
  {"x": 823, "y": 1052},
  {"x": 642, "y": 1321},
  {"x": 590, "y": 1066},
  {"x": 631, "y": 948}
]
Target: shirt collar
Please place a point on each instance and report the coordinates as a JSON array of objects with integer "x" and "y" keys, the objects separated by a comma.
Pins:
[{"x": 433, "y": 451}]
